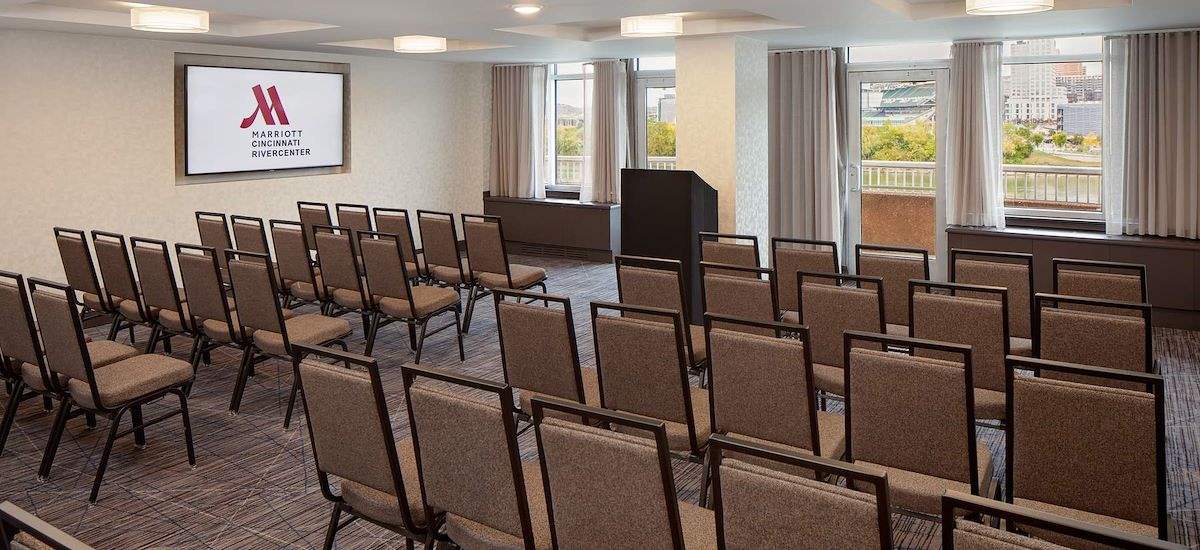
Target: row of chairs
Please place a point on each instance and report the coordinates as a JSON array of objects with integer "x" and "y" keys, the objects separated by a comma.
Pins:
[{"x": 603, "y": 471}]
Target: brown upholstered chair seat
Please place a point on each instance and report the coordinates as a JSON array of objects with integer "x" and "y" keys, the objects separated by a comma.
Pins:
[
  {"x": 218, "y": 330},
  {"x": 897, "y": 330},
  {"x": 129, "y": 309},
  {"x": 92, "y": 301},
  {"x": 382, "y": 506},
  {"x": 347, "y": 297},
  {"x": 788, "y": 316},
  {"x": 522, "y": 277},
  {"x": 413, "y": 270},
  {"x": 1020, "y": 346},
  {"x": 923, "y": 493},
  {"x": 833, "y": 444},
  {"x": 591, "y": 392},
  {"x": 1119, "y": 524},
  {"x": 470, "y": 534},
  {"x": 449, "y": 274},
  {"x": 305, "y": 290},
  {"x": 309, "y": 328},
  {"x": 129, "y": 379},
  {"x": 989, "y": 404},
  {"x": 699, "y": 344},
  {"x": 829, "y": 379},
  {"x": 426, "y": 299},
  {"x": 102, "y": 353},
  {"x": 677, "y": 432}
]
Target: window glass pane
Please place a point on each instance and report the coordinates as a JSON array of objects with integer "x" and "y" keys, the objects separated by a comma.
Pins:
[
  {"x": 568, "y": 132},
  {"x": 899, "y": 52},
  {"x": 656, "y": 63},
  {"x": 568, "y": 69},
  {"x": 660, "y": 128},
  {"x": 1071, "y": 45},
  {"x": 1053, "y": 115}
]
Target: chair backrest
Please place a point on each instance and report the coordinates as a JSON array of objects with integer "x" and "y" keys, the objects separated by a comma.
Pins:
[
  {"x": 250, "y": 234},
  {"x": 760, "y": 507},
  {"x": 214, "y": 232},
  {"x": 486, "y": 251},
  {"x": 439, "y": 239},
  {"x": 292, "y": 252},
  {"x": 18, "y": 333},
  {"x": 1112, "y": 438},
  {"x": 64, "y": 349},
  {"x": 387, "y": 276},
  {"x": 1011, "y": 270},
  {"x": 965, "y": 534},
  {"x": 15, "y": 521},
  {"x": 896, "y": 266},
  {"x": 729, "y": 249},
  {"x": 396, "y": 222},
  {"x": 602, "y": 485},
  {"x": 339, "y": 268},
  {"x": 952, "y": 312},
  {"x": 911, "y": 412},
  {"x": 651, "y": 282},
  {"x": 202, "y": 281},
  {"x": 112, "y": 253},
  {"x": 77, "y": 262},
  {"x": 312, "y": 214},
  {"x": 538, "y": 351},
  {"x": 254, "y": 292},
  {"x": 1122, "y": 282},
  {"x": 736, "y": 291},
  {"x": 1115, "y": 335},
  {"x": 789, "y": 256},
  {"x": 159, "y": 289},
  {"x": 641, "y": 364},
  {"x": 762, "y": 386},
  {"x": 828, "y": 310},
  {"x": 354, "y": 216},
  {"x": 465, "y": 435},
  {"x": 348, "y": 424}
]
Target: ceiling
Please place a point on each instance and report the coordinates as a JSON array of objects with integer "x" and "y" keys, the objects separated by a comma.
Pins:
[{"x": 566, "y": 30}]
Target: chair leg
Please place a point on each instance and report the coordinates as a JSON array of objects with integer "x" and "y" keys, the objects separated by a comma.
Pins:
[
  {"x": 56, "y": 433},
  {"x": 704, "y": 482},
  {"x": 139, "y": 432},
  {"x": 194, "y": 354},
  {"x": 10, "y": 412},
  {"x": 421, "y": 341},
  {"x": 366, "y": 321},
  {"x": 412, "y": 337},
  {"x": 47, "y": 403},
  {"x": 462, "y": 354},
  {"x": 132, "y": 341},
  {"x": 90, "y": 419},
  {"x": 466, "y": 327},
  {"x": 544, "y": 291},
  {"x": 114, "y": 327},
  {"x": 166, "y": 341},
  {"x": 333, "y": 526},
  {"x": 372, "y": 331},
  {"x": 287, "y": 417},
  {"x": 112, "y": 436},
  {"x": 239, "y": 387},
  {"x": 152, "y": 344},
  {"x": 187, "y": 429}
]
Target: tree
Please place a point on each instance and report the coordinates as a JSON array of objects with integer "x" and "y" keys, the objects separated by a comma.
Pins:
[
  {"x": 914, "y": 141},
  {"x": 568, "y": 140},
  {"x": 660, "y": 139},
  {"x": 1019, "y": 142},
  {"x": 1059, "y": 139}
]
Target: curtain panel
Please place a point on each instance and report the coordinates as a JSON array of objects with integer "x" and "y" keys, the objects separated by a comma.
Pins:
[
  {"x": 805, "y": 160},
  {"x": 1162, "y": 135},
  {"x": 606, "y": 133},
  {"x": 974, "y": 185},
  {"x": 518, "y": 130}
]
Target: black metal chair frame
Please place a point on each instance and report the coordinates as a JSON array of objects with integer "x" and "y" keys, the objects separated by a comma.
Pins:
[
  {"x": 711, "y": 236},
  {"x": 676, "y": 267},
  {"x": 158, "y": 331},
  {"x": 478, "y": 291},
  {"x": 119, "y": 321},
  {"x": 525, "y": 297},
  {"x": 377, "y": 211},
  {"x": 289, "y": 299},
  {"x": 1144, "y": 310},
  {"x": 14, "y": 520},
  {"x": 88, "y": 313}
]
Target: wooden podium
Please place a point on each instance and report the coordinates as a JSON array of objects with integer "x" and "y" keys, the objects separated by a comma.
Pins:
[{"x": 661, "y": 213}]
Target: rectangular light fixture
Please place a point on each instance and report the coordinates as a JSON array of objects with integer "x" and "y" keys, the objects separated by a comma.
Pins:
[
  {"x": 165, "y": 19},
  {"x": 646, "y": 26},
  {"x": 415, "y": 43}
]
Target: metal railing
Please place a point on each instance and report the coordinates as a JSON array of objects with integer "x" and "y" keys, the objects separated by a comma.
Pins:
[
  {"x": 1025, "y": 185},
  {"x": 570, "y": 168}
]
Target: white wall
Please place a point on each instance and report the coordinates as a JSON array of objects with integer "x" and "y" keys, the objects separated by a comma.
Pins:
[{"x": 87, "y": 141}]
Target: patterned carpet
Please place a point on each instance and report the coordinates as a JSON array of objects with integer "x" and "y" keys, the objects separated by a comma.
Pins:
[{"x": 255, "y": 487}]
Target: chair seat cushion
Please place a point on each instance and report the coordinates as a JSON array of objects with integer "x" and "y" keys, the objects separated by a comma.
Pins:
[
  {"x": 32, "y": 375},
  {"x": 383, "y": 507},
  {"x": 449, "y": 274},
  {"x": 306, "y": 291},
  {"x": 127, "y": 380},
  {"x": 309, "y": 328},
  {"x": 104, "y": 352},
  {"x": 469, "y": 534},
  {"x": 129, "y": 309},
  {"x": 792, "y": 317},
  {"x": 699, "y": 344},
  {"x": 172, "y": 320},
  {"x": 897, "y": 330},
  {"x": 989, "y": 404},
  {"x": 1119, "y": 524},
  {"x": 923, "y": 493},
  {"x": 523, "y": 276},
  {"x": 93, "y": 302},
  {"x": 348, "y": 298},
  {"x": 427, "y": 300},
  {"x": 591, "y": 392},
  {"x": 829, "y": 379},
  {"x": 832, "y": 429},
  {"x": 1020, "y": 346}
]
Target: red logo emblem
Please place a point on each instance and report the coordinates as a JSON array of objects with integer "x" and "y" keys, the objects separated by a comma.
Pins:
[{"x": 270, "y": 111}]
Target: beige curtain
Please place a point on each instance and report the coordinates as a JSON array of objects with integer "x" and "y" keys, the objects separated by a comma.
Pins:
[
  {"x": 606, "y": 139},
  {"x": 1162, "y": 135},
  {"x": 974, "y": 186},
  {"x": 518, "y": 135},
  {"x": 804, "y": 195}
]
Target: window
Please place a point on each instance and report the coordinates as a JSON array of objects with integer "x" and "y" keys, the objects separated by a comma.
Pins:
[
  {"x": 892, "y": 53},
  {"x": 1053, "y": 93},
  {"x": 568, "y": 98}
]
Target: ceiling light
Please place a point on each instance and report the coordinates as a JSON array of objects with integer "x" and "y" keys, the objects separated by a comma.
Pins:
[
  {"x": 644, "y": 26},
  {"x": 164, "y": 19},
  {"x": 416, "y": 43},
  {"x": 1007, "y": 7},
  {"x": 527, "y": 9}
]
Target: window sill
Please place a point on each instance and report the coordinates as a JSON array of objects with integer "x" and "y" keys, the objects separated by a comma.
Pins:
[{"x": 1047, "y": 222}]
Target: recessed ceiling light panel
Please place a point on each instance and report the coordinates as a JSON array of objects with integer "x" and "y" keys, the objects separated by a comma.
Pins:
[
  {"x": 1007, "y": 7},
  {"x": 415, "y": 43},
  {"x": 527, "y": 8},
  {"x": 646, "y": 26},
  {"x": 164, "y": 19}
]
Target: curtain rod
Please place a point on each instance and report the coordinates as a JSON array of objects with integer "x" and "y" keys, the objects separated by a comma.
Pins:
[{"x": 1002, "y": 38}]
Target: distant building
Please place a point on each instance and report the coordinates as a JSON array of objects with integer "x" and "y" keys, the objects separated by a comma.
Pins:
[
  {"x": 901, "y": 104},
  {"x": 666, "y": 109},
  {"x": 1082, "y": 87},
  {"x": 1074, "y": 68},
  {"x": 1031, "y": 92},
  {"x": 1081, "y": 118}
]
